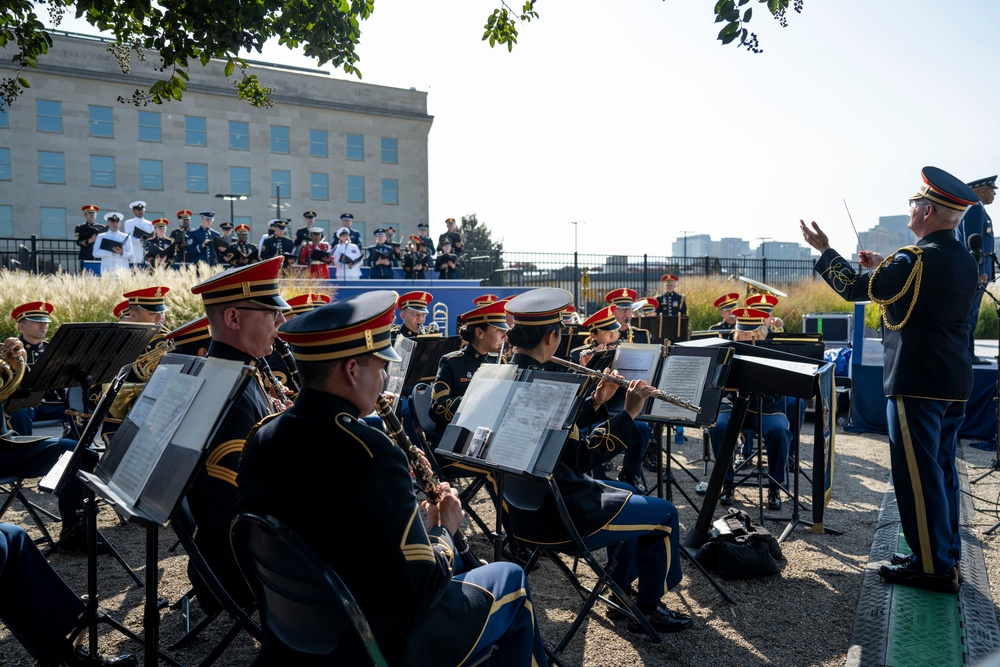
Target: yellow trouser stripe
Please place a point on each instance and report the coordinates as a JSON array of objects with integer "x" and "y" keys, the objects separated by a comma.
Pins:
[{"x": 919, "y": 506}]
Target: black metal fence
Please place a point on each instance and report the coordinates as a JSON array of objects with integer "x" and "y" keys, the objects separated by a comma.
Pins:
[{"x": 39, "y": 255}]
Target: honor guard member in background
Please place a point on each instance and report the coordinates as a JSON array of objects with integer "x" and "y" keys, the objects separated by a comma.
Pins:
[
  {"x": 390, "y": 238},
  {"x": 347, "y": 256},
  {"x": 423, "y": 231},
  {"x": 222, "y": 243},
  {"x": 413, "y": 313},
  {"x": 200, "y": 243},
  {"x": 766, "y": 303},
  {"x": 670, "y": 303},
  {"x": 726, "y": 303},
  {"x": 244, "y": 310},
  {"x": 446, "y": 263},
  {"x": 300, "y": 305},
  {"x": 623, "y": 299},
  {"x": 120, "y": 312},
  {"x": 603, "y": 512},
  {"x": 484, "y": 329},
  {"x": 279, "y": 244},
  {"x": 181, "y": 238},
  {"x": 191, "y": 338},
  {"x": 771, "y": 421},
  {"x": 977, "y": 221},
  {"x": 32, "y": 325},
  {"x": 160, "y": 249},
  {"x": 113, "y": 247},
  {"x": 242, "y": 252},
  {"x": 925, "y": 292},
  {"x": 453, "y": 236},
  {"x": 346, "y": 220},
  {"x": 39, "y": 609},
  {"x": 380, "y": 257},
  {"x": 302, "y": 233},
  {"x": 138, "y": 229},
  {"x": 315, "y": 254},
  {"x": 422, "y": 607},
  {"x": 415, "y": 260},
  {"x": 86, "y": 233}
]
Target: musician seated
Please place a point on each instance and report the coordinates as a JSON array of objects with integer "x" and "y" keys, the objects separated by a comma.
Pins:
[
  {"x": 33, "y": 321},
  {"x": 191, "y": 338},
  {"x": 603, "y": 328},
  {"x": 420, "y": 602},
  {"x": 726, "y": 303},
  {"x": 769, "y": 420},
  {"x": 603, "y": 512},
  {"x": 484, "y": 329},
  {"x": 623, "y": 298},
  {"x": 767, "y": 304},
  {"x": 412, "y": 313}
]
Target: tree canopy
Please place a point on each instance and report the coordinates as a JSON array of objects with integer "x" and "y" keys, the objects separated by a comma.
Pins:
[
  {"x": 476, "y": 235},
  {"x": 182, "y": 33}
]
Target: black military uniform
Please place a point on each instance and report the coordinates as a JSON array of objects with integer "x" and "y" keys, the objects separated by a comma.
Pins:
[
  {"x": 724, "y": 303},
  {"x": 454, "y": 237},
  {"x": 347, "y": 219},
  {"x": 416, "y": 261},
  {"x": 455, "y": 371},
  {"x": 159, "y": 250},
  {"x": 441, "y": 265},
  {"x": 380, "y": 252},
  {"x": 426, "y": 241},
  {"x": 275, "y": 246},
  {"x": 241, "y": 252},
  {"x": 181, "y": 238},
  {"x": 85, "y": 232},
  {"x": 671, "y": 304}
]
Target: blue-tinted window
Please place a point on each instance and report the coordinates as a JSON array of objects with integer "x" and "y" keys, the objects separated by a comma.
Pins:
[
  {"x": 355, "y": 147},
  {"x": 149, "y": 126},
  {"x": 4, "y": 116},
  {"x": 239, "y": 180},
  {"x": 355, "y": 189},
  {"x": 6, "y": 220},
  {"x": 49, "y": 115},
  {"x": 319, "y": 186},
  {"x": 101, "y": 122},
  {"x": 282, "y": 178},
  {"x": 4, "y": 164},
  {"x": 53, "y": 222},
  {"x": 279, "y": 139},
  {"x": 318, "y": 143},
  {"x": 239, "y": 135},
  {"x": 196, "y": 175},
  {"x": 151, "y": 176},
  {"x": 102, "y": 171},
  {"x": 390, "y": 152},
  {"x": 51, "y": 168},
  {"x": 195, "y": 133},
  {"x": 390, "y": 191}
]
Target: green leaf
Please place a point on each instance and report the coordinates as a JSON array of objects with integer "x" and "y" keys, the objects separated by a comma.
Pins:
[
  {"x": 23, "y": 82},
  {"x": 229, "y": 67},
  {"x": 747, "y": 14}
]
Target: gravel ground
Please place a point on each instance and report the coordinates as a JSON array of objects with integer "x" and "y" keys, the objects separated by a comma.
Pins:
[{"x": 802, "y": 616}]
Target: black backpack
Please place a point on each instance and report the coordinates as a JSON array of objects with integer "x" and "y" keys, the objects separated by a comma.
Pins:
[{"x": 740, "y": 549}]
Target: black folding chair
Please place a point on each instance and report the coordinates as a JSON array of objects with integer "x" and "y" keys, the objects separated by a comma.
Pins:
[{"x": 14, "y": 488}]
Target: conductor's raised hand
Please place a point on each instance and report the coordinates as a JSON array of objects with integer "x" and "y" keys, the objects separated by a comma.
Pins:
[{"x": 814, "y": 236}]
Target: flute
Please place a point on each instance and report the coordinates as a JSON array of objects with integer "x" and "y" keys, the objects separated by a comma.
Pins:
[
  {"x": 422, "y": 471},
  {"x": 622, "y": 382},
  {"x": 289, "y": 362}
]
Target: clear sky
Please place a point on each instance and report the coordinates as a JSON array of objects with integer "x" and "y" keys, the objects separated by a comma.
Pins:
[{"x": 631, "y": 118}]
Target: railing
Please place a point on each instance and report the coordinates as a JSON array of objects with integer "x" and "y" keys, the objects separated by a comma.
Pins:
[{"x": 39, "y": 255}]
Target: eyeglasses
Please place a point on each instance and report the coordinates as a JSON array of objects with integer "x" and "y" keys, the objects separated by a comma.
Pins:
[
  {"x": 915, "y": 204},
  {"x": 275, "y": 314}
]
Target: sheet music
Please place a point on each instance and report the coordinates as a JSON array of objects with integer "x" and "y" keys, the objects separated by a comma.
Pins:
[
  {"x": 219, "y": 376},
  {"x": 684, "y": 376},
  {"x": 155, "y": 432},
  {"x": 794, "y": 366},
  {"x": 142, "y": 405},
  {"x": 636, "y": 361},
  {"x": 522, "y": 431},
  {"x": 563, "y": 394},
  {"x": 485, "y": 397}
]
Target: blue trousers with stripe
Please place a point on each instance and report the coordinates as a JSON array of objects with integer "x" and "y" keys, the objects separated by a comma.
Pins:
[{"x": 923, "y": 436}]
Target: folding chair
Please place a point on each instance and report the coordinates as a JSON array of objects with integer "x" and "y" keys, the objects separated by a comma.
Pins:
[
  {"x": 14, "y": 487},
  {"x": 184, "y": 527},
  {"x": 528, "y": 494}
]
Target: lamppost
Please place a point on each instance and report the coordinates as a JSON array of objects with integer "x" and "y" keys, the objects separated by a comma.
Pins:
[
  {"x": 576, "y": 263},
  {"x": 232, "y": 198},
  {"x": 685, "y": 233},
  {"x": 763, "y": 240}
]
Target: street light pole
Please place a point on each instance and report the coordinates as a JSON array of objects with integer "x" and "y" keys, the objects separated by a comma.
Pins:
[
  {"x": 232, "y": 198},
  {"x": 576, "y": 263}
]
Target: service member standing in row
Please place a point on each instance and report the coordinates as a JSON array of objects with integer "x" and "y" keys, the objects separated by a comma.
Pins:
[
  {"x": 925, "y": 292},
  {"x": 380, "y": 257},
  {"x": 159, "y": 249},
  {"x": 182, "y": 238},
  {"x": 200, "y": 241},
  {"x": 976, "y": 220},
  {"x": 138, "y": 229},
  {"x": 346, "y": 220},
  {"x": 279, "y": 244},
  {"x": 86, "y": 233},
  {"x": 113, "y": 247},
  {"x": 346, "y": 256},
  {"x": 446, "y": 263},
  {"x": 670, "y": 303},
  {"x": 242, "y": 252}
]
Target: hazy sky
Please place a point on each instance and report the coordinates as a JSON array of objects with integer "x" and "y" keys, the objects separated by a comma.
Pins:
[{"x": 639, "y": 124}]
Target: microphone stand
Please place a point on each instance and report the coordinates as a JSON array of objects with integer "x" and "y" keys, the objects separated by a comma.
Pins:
[{"x": 995, "y": 463}]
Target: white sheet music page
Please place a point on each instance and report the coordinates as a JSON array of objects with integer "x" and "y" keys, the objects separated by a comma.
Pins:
[
  {"x": 485, "y": 397},
  {"x": 523, "y": 429},
  {"x": 683, "y": 376}
]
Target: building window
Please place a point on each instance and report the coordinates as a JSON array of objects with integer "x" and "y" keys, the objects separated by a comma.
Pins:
[
  {"x": 196, "y": 175},
  {"x": 355, "y": 147},
  {"x": 4, "y": 164},
  {"x": 390, "y": 153},
  {"x": 4, "y": 116},
  {"x": 245, "y": 220},
  {"x": 318, "y": 143},
  {"x": 194, "y": 131},
  {"x": 281, "y": 178},
  {"x": 149, "y": 126},
  {"x": 390, "y": 191},
  {"x": 53, "y": 222},
  {"x": 151, "y": 175},
  {"x": 101, "y": 124},
  {"x": 6, "y": 220},
  {"x": 102, "y": 171},
  {"x": 49, "y": 115},
  {"x": 279, "y": 139},
  {"x": 319, "y": 186},
  {"x": 356, "y": 189},
  {"x": 239, "y": 135},
  {"x": 239, "y": 180},
  {"x": 50, "y": 167}
]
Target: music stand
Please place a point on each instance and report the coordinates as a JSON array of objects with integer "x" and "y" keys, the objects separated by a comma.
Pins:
[
  {"x": 661, "y": 328},
  {"x": 149, "y": 466},
  {"x": 426, "y": 355}
]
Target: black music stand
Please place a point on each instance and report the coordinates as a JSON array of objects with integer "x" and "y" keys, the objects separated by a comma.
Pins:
[
  {"x": 148, "y": 469},
  {"x": 661, "y": 328},
  {"x": 425, "y": 357}
]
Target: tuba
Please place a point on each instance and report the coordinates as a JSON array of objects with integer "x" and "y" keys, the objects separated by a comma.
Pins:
[{"x": 11, "y": 374}]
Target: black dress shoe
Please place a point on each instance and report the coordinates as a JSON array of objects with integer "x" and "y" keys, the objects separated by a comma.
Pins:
[
  {"x": 80, "y": 658},
  {"x": 74, "y": 540},
  {"x": 726, "y": 497},
  {"x": 908, "y": 575},
  {"x": 899, "y": 558},
  {"x": 662, "y": 620},
  {"x": 632, "y": 480},
  {"x": 773, "y": 498}
]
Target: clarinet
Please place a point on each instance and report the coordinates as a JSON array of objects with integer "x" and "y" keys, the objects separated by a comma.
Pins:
[
  {"x": 289, "y": 361},
  {"x": 278, "y": 396},
  {"x": 422, "y": 471}
]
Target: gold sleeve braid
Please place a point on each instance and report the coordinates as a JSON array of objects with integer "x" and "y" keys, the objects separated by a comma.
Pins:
[{"x": 914, "y": 279}]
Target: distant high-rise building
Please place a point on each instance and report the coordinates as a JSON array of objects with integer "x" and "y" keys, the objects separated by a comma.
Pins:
[{"x": 887, "y": 236}]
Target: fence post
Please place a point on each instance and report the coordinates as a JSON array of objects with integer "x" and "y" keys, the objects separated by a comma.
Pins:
[
  {"x": 645, "y": 274},
  {"x": 576, "y": 278},
  {"x": 763, "y": 269},
  {"x": 34, "y": 254}
]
